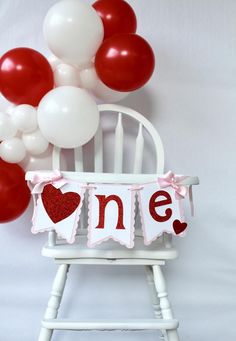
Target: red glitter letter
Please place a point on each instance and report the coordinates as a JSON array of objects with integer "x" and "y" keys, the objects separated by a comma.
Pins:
[
  {"x": 103, "y": 201},
  {"x": 153, "y": 204}
]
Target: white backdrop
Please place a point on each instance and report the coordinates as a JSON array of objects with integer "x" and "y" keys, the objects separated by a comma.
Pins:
[{"x": 191, "y": 100}]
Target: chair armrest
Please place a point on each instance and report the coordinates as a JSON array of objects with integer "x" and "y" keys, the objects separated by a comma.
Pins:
[{"x": 112, "y": 178}]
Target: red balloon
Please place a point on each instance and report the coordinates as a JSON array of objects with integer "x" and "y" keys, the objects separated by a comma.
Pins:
[
  {"x": 14, "y": 192},
  {"x": 125, "y": 62},
  {"x": 117, "y": 17},
  {"x": 25, "y": 76}
]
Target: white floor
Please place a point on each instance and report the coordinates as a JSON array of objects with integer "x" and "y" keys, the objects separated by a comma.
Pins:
[{"x": 191, "y": 100}]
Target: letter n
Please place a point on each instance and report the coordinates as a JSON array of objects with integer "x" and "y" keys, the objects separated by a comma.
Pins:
[{"x": 103, "y": 201}]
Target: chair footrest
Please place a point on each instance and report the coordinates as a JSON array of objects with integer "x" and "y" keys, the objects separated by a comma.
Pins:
[{"x": 109, "y": 325}]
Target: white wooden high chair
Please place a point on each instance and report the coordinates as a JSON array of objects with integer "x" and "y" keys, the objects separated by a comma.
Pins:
[{"x": 153, "y": 257}]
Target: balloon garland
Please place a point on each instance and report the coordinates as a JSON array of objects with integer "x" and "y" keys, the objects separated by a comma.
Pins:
[{"x": 96, "y": 54}]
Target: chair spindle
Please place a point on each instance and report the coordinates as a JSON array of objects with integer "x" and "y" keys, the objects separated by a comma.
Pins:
[
  {"x": 138, "y": 160},
  {"x": 119, "y": 140},
  {"x": 98, "y": 150}
]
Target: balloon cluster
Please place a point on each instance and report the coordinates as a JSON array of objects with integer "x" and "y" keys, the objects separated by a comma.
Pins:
[
  {"x": 110, "y": 60},
  {"x": 25, "y": 77},
  {"x": 95, "y": 53},
  {"x": 20, "y": 134}
]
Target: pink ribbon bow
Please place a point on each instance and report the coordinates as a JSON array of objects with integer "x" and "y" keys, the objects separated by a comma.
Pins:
[
  {"x": 171, "y": 180},
  {"x": 40, "y": 181}
]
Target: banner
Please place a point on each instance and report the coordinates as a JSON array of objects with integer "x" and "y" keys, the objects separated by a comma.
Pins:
[{"x": 58, "y": 204}]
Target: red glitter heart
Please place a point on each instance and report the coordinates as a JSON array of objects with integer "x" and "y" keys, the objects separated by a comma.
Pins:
[
  {"x": 58, "y": 205},
  {"x": 179, "y": 227}
]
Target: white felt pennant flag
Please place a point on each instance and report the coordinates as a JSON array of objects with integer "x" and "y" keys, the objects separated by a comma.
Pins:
[
  {"x": 160, "y": 212},
  {"x": 111, "y": 214},
  {"x": 59, "y": 210}
]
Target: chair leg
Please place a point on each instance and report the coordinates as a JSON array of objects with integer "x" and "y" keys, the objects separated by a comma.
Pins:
[
  {"x": 154, "y": 297},
  {"x": 160, "y": 285},
  {"x": 54, "y": 301}
]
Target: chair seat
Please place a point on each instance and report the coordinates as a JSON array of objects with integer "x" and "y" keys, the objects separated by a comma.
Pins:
[{"x": 109, "y": 250}]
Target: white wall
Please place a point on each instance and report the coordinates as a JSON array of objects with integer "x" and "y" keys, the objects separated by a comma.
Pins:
[{"x": 191, "y": 100}]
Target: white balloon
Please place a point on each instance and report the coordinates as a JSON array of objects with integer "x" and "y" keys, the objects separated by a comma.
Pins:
[
  {"x": 65, "y": 74},
  {"x": 53, "y": 61},
  {"x": 10, "y": 109},
  {"x": 107, "y": 95},
  {"x": 73, "y": 31},
  {"x": 68, "y": 117},
  {"x": 24, "y": 117},
  {"x": 7, "y": 129},
  {"x": 35, "y": 143},
  {"x": 42, "y": 162},
  {"x": 4, "y": 103},
  {"x": 88, "y": 78},
  {"x": 12, "y": 150},
  {"x": 90, "y": 81}
]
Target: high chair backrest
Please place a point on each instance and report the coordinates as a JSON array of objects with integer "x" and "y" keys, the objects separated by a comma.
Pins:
[
  {"x": 127, "y": 121},
  {"x": 143, "y": 126}
]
